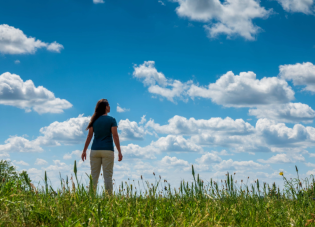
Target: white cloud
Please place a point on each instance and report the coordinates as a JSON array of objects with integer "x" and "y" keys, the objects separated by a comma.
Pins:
[
  {"x": 98, "y": 1},
  {"x": 208, "y": 158},
  {"x": 134, "y": 151},
  {"x": 14, "y": 41},
  {"x": 143, "y": 120},
  {"x": 17, "y": 62},
  {"x": 40, "y": 162},
  {"x": 301, "y": 6},
  {"x": 129, "y": 130},
  {"x": 311, "y": 172},
  {"x": 171, "y": 162},
  {"x": 244, "y": 90},
  {"x": 121, "y": 110},
  {"x": 22, "y": 163},
  {"x": 238, "y": 165},
  {"x": 172, "y": 143},
  {"x": 162, "y": 3},
  {"x": 157, "y": 82},
  {"x": 20, "y": 144},
  {"x": 230, "y": 90},
  {"x": 300, "y": 74},
  {"x": 231, "y": 17},
  {"x": 71, "y": 131},
  {"x": 15, "y": 92},
  {"x": 55, "y": 47},
  {"x": 76, "y": 153},
  {"x": 308, "y": 164},
  {"x": 279, "y": 135},
  {"x": 58, "y": 167},
  {"x": 222, "y": 153},
  {"x": 283, "y": 158},
  {"x": 163, "y": 144},
  {"x": 182, "y": 126},
  {"x": 290, "y": 112},
  {"x": 4, "y": 155}
]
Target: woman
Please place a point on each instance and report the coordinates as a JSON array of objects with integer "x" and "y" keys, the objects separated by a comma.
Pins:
[{"x": 104, "y": 128}]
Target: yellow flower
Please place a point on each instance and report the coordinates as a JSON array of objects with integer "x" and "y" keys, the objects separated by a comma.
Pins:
[{"x": 281, "y": 173}]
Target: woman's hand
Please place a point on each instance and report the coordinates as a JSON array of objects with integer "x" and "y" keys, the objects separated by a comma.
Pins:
[
  {"x": 83, "y": 156},
  {"x": 120, "y": 157}
]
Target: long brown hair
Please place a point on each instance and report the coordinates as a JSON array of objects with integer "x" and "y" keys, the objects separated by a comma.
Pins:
[{"x": 100, "y": 109}]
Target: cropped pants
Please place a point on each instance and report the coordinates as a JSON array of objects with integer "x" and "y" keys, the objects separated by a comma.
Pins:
[{"x": 104, "y": 158}]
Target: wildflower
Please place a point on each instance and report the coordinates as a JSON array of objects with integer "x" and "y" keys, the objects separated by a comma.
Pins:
[{"x": 281, "y": 173}]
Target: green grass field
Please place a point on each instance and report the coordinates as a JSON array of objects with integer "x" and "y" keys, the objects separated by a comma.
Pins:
[{"x": 193, "y": 204}]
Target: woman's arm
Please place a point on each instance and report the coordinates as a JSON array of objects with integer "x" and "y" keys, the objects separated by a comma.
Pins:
[
  {"x": 87, "y": 143},
  {"x": 116, "y": 141}
]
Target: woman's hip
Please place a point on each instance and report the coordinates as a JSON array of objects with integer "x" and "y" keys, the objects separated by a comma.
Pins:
[{"x": 101, "y": 154}]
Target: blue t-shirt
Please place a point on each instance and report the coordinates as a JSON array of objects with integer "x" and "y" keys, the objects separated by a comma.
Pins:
[{"x": 103, "y": 138}]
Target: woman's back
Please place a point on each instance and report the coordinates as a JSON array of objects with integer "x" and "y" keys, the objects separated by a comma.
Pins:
[{"x": 103, "y": 139}]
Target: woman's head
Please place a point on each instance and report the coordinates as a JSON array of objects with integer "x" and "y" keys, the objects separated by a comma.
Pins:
[{"x": 102, "y": 107}]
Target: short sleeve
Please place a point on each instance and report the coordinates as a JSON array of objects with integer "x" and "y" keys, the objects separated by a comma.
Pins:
[{"x": 114, "y": 123}]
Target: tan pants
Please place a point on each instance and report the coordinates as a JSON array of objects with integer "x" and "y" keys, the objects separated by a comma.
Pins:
[{"x": 104, "y": 158}]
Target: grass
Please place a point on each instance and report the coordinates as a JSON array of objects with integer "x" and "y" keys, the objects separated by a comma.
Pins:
[{"x": 192, "y": 204}]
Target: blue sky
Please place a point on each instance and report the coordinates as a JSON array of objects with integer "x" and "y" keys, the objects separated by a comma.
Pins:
[{"x": 227, "y": 86}]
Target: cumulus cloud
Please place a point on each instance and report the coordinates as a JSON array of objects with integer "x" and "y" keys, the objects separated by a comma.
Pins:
[
  {"x": 14, "y": 41},
  {"x": 230, "y": 17},
  {"x": 230, "y": 90},
  {"x": 169, "y": 143},
  {"x": 55, "y": 47},
  {"x": 121, "y": 110},
  {"x": 170, "y": 162},
  {"x": 143, "y": 120},
  {"x": 58, "y": 167},
  {"x": 268, "y": 136},
  {"x": 158, "y": 84},
  {"x": 22, "y": 163},
  {"x": 134, "y": 151},
  {"x": 279, "y": 135},
  {"x": 40, "y": 162},
  {"x": 162, "y": 3},
  {"x": 4, "y": 155},
  {"x": 208, "y": 158},
  {"x": 25, "y": 95},
  {"x": 300, "y": 74},
  {"x": 179, "y": 125},
  {"x": 20, "y": 144},
  {"x": 129, "y": 130},
  {"x": 298, "y": 6},
  {"x": 239, "y": 165},
  {"x": 98, "y": 1},
  {"x": 244, "y": 90},
  {"x": 290, "y": 112},
  {"x": 17, "y": 62},
  {"x": 71, "y": 131},
  {"x": 283, "y": 158},
  {"x": 172, "y": 143},
  {"x": 76, "y": 153}
]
